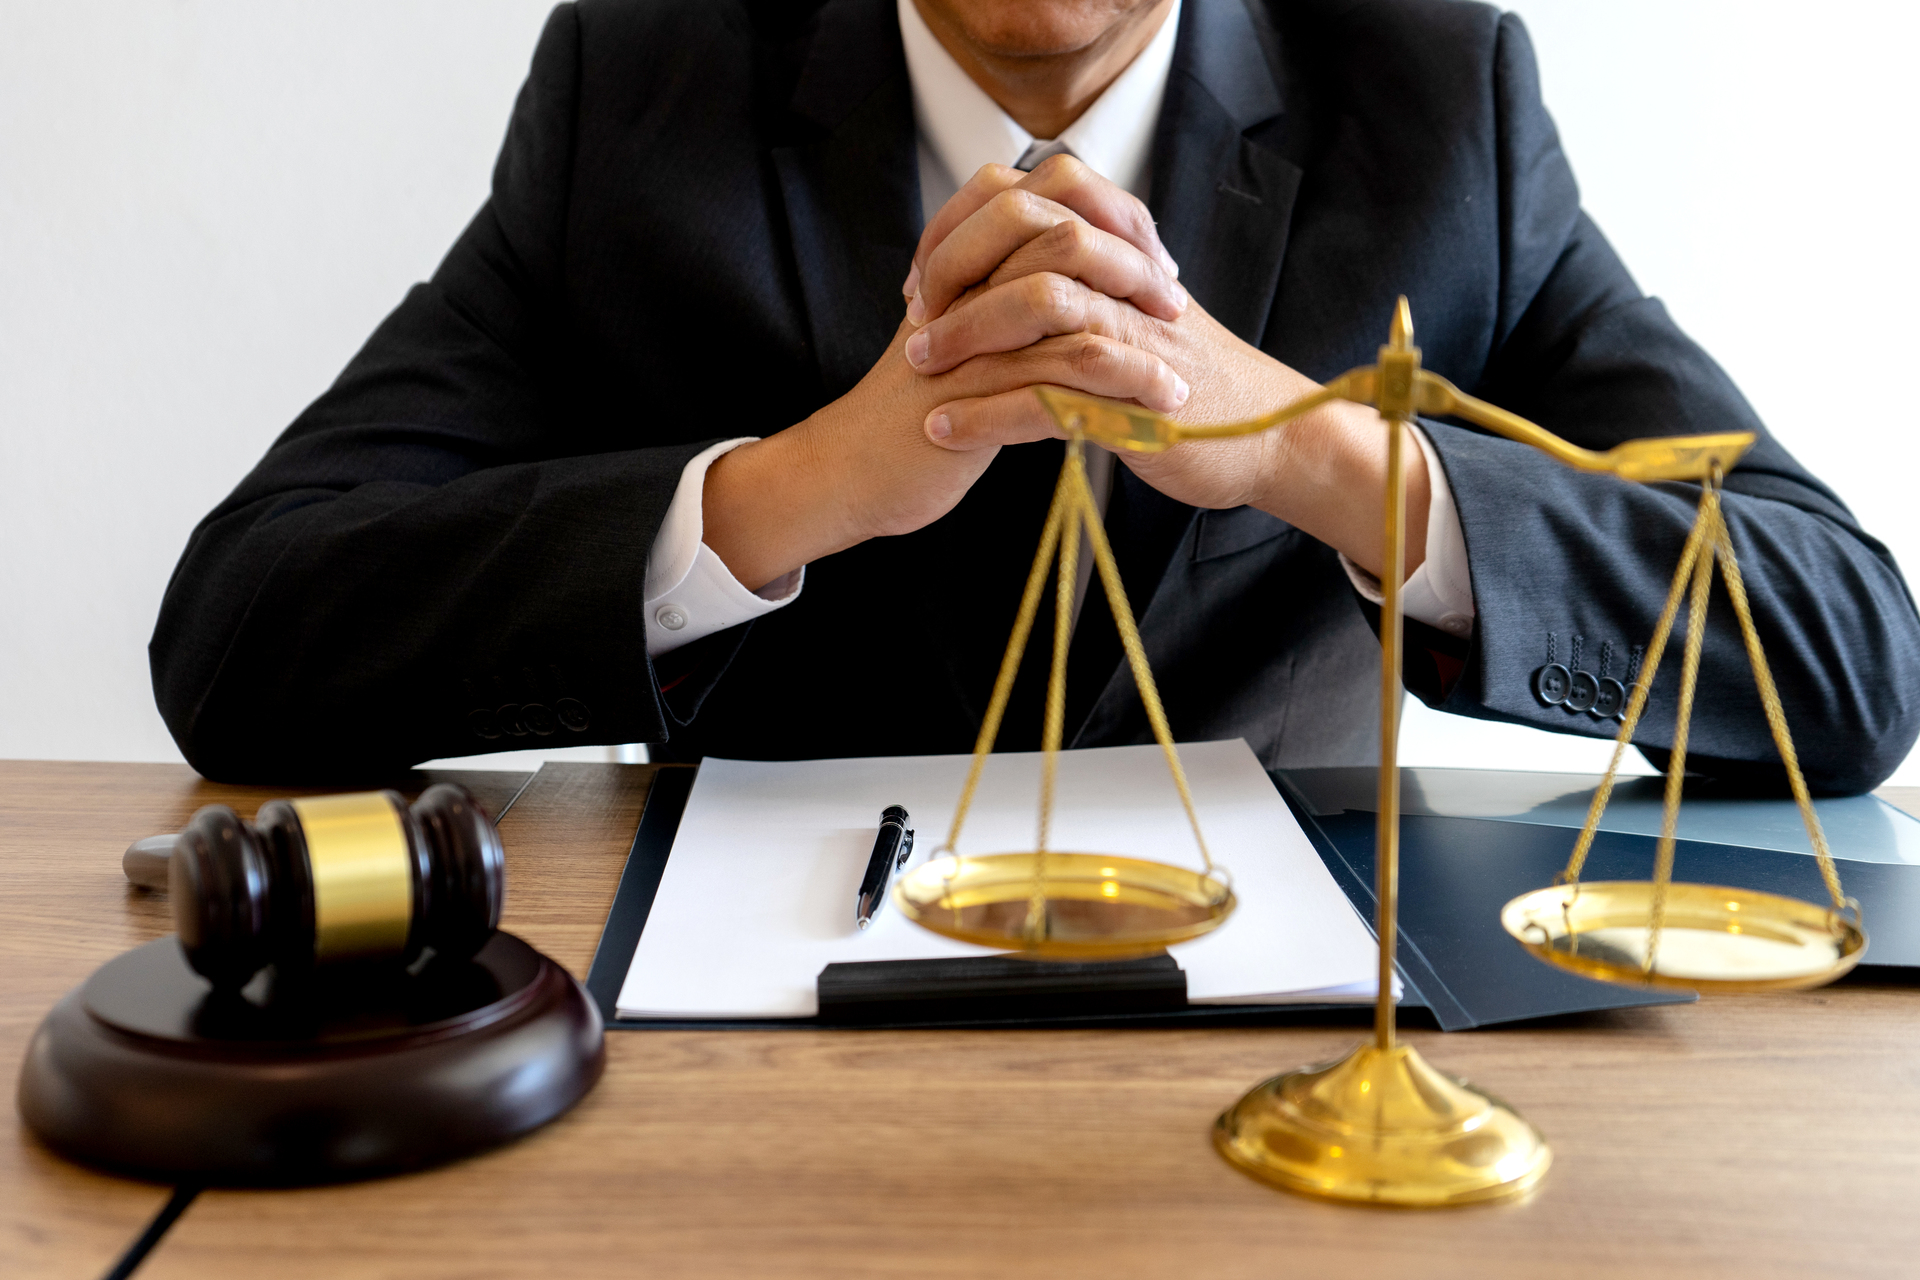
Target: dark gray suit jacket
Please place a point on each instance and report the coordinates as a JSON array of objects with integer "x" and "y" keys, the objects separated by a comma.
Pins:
[{"x": 698, "y": 228}]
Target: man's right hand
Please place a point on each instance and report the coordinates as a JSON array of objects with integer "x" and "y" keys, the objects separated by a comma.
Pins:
[{"x": 863, "y": 467}]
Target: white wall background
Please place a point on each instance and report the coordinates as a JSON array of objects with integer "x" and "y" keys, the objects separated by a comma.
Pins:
[{"x": 206, "y": 205}]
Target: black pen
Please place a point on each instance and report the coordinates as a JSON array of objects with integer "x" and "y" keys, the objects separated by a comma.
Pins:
[{"x": 890, "y": 852}]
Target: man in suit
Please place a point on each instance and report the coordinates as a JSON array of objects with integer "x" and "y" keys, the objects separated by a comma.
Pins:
[{"x": 712, "y": 430}]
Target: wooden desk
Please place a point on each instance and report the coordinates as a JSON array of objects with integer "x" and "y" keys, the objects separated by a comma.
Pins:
[{"x": 1750, "y": 1136}]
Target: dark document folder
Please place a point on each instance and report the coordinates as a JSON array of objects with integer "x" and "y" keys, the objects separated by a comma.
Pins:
[{"x": 1456, "y": 874}]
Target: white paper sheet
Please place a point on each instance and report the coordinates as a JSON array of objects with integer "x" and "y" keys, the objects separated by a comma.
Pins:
[{"x": 758, "y": 895}]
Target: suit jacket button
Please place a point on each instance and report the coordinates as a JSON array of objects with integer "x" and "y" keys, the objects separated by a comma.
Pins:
[
  {"x": 573, "y": 715},
  {"x": 510, "y": 721},
  {"x": 480, "y": 720},
  {"x": 1550, "y": 684},
  {"x": 1582, "y": 689},
  {"x": 1611, "y": 699},
  {"x": 538, "y": 718}
]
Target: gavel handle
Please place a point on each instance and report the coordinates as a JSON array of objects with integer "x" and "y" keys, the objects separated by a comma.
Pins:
[{"x": 146, "y": 861}]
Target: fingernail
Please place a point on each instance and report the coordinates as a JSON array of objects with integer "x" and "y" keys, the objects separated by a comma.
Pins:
[
  {"x": 939, "y": 427},
  {"x": 917, "y": 348},
  {"x": 916, "y": 310},
  {"x": 912, "y": 286},
  {"x": 1180, "y": 389},
  {"x": 1180, "y": 298},
  {"x": 1171, "y": 265}
]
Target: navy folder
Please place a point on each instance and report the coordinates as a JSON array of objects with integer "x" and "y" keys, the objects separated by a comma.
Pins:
[{"x": 1457, "y": 871}]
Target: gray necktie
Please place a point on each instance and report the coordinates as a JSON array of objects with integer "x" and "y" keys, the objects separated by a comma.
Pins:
[{"x": 1038, "y": 151}]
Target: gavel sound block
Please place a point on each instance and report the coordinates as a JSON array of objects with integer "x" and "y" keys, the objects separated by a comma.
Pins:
[{"x": 338, "y": 1004}]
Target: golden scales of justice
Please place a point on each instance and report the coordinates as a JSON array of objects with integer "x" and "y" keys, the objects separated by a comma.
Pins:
[{"x": 1381, "y": 1125}]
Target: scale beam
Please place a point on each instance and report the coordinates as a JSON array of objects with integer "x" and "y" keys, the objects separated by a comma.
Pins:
[{"x": 1137, "y": 430}]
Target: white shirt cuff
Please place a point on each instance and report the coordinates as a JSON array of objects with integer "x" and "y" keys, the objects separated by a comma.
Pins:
[
  {"x": 1440, "y": 592},
  {"x": 690, "y": 593}
]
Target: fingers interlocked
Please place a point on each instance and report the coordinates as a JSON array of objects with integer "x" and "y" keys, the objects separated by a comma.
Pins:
[
  {"x": 1017, "y": 233},
  {"x": 1053, "y": 277},
  {"x": 1060, "y": 189},
  {"x": 1016, "y": 314}
]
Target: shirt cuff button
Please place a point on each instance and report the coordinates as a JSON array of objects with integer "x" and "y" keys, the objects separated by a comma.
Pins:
[{"x": 670, "y": 616}]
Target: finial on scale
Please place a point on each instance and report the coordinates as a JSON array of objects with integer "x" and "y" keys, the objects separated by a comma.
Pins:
[{"x": 1401, "y": 336}]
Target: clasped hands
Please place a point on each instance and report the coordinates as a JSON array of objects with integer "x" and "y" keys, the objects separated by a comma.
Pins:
[{"x": 1051, "y": 277}]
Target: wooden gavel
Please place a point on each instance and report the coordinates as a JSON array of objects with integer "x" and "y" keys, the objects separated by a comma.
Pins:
[{"x": 328, "y": 880}]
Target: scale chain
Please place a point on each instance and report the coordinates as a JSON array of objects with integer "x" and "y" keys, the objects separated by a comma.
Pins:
[
  {"x": 1010, "y": 664},
  {"x": 1683, "y": 723},
  {"x": 1136, "y": 653},
  {"x": 1072, "y": 514},
  {"x": 1073, "y": 520},
  {"x": 1776, "y": 717},
  {"x": 1638, "y": 699},
  {"x": 1709, "y": 541}
]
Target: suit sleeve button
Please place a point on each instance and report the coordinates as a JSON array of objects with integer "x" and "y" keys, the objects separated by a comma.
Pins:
[
  {"x": 509, "y": 719},
  {"x": 538, "y": 718},
  {"x": 480, "y": 720},
  {"x": 1582, "y": 689},
  {"x": 1550, "y": 684},
  {"x": 1610, "y": 699},
  {"x": 573, "y": 715}
]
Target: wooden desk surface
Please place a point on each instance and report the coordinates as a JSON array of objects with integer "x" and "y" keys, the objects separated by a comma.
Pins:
[{"x": 1751, "y": 1136}]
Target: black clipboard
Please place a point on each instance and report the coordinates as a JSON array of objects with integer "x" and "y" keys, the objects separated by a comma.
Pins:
[{"x": 640, "y": 880}]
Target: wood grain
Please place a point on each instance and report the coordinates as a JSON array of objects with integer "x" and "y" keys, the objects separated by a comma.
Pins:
[
  {"x": 65, "y": 909},
  {"x": 1752, "y": 1136}
]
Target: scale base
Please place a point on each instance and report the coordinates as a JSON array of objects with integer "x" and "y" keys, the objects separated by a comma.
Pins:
[{"x": 1381, "y": 1126}]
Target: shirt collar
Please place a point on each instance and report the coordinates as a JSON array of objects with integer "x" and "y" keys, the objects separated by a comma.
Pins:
[{"x": 964, "y": 128}]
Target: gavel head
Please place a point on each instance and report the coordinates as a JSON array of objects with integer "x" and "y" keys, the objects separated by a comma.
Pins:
[{"x": 335, "y": 879}]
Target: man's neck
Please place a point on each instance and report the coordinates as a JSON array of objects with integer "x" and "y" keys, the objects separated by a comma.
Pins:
[{"x": 1046, "y": 92}]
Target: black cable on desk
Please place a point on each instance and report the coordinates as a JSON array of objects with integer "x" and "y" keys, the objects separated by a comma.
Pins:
[{"x": 169, "y": 1214}]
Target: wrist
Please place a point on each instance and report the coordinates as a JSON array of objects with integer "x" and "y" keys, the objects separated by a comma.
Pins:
[
  {"x": 771, "y": 507},
  {"x": 1328, "y": 478}
]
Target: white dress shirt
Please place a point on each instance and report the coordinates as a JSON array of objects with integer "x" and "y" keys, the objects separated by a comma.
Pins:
[
  {"x": 961, "y": 128},
  {"x": 689, "y": 591}
]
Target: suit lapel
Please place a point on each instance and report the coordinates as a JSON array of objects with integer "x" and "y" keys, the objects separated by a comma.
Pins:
[
  {"x": 849, "y": 177},
  {"x": 852, "y": 187},
  {"x": 1223, "y": 202}
]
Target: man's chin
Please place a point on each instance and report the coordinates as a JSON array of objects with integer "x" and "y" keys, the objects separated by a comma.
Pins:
[{"x": 1017, "y": 29}]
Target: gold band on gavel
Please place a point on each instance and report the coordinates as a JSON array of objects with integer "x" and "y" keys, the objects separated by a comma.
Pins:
[{"x": 362, "y": 885}]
